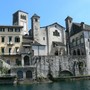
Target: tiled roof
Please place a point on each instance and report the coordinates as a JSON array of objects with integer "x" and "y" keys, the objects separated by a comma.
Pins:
[
  {"x": 35, "y": 15},
  {"x": 77, "y": 27},
  {"x": 37, "y": 44}
]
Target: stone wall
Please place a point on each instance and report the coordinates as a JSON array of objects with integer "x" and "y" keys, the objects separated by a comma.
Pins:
[{"x": 56, "y": 64}]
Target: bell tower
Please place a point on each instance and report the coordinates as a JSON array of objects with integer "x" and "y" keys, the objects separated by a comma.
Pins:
[
  {"x": 20, "y": 18},
  {"x": 68, "y": 22},
  {"x": 35, "y": 27}
]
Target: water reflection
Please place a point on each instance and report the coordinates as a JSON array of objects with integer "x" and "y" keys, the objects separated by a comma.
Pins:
[{"x": 72, "y": 85}]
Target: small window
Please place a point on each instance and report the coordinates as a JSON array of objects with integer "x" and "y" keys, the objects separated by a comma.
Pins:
[
  {"x": 9, "y": 50},
  {"x": 18, "y": 62},
  {"x": 2, "y": 50},
  {"x": 2, "y": 29},
  {"x": 56, "y": 33},
  {"x": 17, "y": 39},
  {"x": 10, "y": 38},
  {"x": 43, "y": 38},
  {"x": 2, "y": 39},
  {"x": 55, "y": 26},
  {"x": 36, "y": 20},
  {"x": 81, "y": 39},
  {"x": 17, "y": 29},
  {"x": 10, "y": 29},
  {"x": 23, "y": 17}
]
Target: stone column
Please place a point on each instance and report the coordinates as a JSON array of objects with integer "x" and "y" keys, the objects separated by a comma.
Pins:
[{"x": 24, "y": 74}]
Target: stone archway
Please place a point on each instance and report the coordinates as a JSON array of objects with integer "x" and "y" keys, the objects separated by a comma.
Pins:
[
  {"x": 26, "y": 60},
  {"x": 28, "y": 74},
  {"x": 20, "y": 74},
  {"x": 66, "y": 73}
]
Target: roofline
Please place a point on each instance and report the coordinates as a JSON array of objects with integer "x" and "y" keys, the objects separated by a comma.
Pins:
[
  {"x": 11, "y": 26},
  {"x": 20, "y": 11},
  {"x": 35, "y": 16},
  {"x": 53, "y": 24},
  {"x": 38, "y": 45}
]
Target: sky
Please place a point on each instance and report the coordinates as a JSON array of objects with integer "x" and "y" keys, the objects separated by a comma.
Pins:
[{"x": 50, "y": 11}]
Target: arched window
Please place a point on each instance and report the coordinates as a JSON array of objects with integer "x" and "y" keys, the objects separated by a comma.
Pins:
[
  {"x": 28, "y": 74},
  {"x": 17, "y": 39},
  {"x": 26, "y": 60},
  {"x": 74, "y": 52},
  {"x": 56, "y": 33},
  {"x": 78, "y": 52},
  {"x": 82, "y": 52},
  {"x": 73, "y": 42},
  {"x": 81, "y": 39},
  {"x": 20, "y": 74}
]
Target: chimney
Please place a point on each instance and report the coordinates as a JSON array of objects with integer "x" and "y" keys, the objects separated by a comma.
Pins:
[{"x": 82, "y": 25}]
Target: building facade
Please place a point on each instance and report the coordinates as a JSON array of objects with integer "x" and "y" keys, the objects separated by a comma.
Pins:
[
  {"x": 28, "y": 55},
  {"x": 15, "y": 46},
  {"x": 77, "y": 40},
  {"x": 51, "y": 37}
]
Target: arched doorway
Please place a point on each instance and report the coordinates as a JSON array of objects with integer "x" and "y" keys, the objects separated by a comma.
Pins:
[
  {"x": 74, "y": 52},
  {"x": 29, "y": 74},
  {"x": 20, "y": 74},
  {"x": 26, "y": 60}
]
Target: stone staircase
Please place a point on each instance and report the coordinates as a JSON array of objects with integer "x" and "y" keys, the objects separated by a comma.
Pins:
[{"x": 4, "y": 64}]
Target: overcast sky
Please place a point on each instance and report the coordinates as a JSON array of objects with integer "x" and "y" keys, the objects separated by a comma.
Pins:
[{"x": 50, "y": 11}]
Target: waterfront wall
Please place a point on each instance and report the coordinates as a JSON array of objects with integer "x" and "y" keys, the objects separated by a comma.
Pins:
[{"x": 76, "y": 65}]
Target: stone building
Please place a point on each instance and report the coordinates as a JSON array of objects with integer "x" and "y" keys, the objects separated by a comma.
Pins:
[
  {"x": 78, "y": 40},
  {"x": 29, "y": 55},
  {"x": 51, "y": 38},
  {"x": 15, "y": 46}
]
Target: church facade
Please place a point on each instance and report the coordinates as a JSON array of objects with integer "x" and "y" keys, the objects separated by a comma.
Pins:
[{"x": 51, "y": 38}]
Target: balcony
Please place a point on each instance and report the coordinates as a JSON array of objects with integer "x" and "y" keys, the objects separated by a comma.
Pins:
[
  {"x": 10, "y": 43},
  {"x": 22, "y": 66},
  {"x": 10, "y": 54}
]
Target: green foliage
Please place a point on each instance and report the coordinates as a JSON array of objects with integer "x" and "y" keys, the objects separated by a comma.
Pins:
[{"x": 3, "y": 70}]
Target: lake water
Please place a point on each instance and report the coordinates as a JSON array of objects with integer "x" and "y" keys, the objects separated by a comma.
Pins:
[{"x": 72, "y": 85}]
